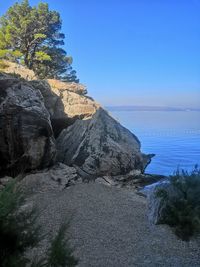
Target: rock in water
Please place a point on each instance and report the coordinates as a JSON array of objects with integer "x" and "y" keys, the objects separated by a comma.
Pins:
[
  {"x": 26, "y": 137},
  {"x": 100, "y": 146}
]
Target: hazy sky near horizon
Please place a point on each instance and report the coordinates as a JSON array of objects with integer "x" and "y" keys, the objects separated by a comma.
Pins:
[{"x": 133, "y": 52}]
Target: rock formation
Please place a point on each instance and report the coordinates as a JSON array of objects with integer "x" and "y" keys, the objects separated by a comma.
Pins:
[
  {"x": 58, "y": 177},
  {"x": 78, "y": 106},
  {"x": 100, "y": 146},
  {"x": 74, "y": 101},
  {"x": 33, "y": 114},
  {"x": 65, "y": 105},
  {"x": 26, "y": 137}
]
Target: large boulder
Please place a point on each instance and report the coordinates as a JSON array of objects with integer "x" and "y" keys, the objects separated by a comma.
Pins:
[
  {"x": 100, "y": 146},
  {"x": 56, "y": 178},
  {"x": 159, "y": 196},
  {"x": 26, "y": 136}
]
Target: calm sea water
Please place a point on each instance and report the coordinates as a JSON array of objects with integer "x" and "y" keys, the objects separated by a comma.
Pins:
[{"x": 174, "y": 136}]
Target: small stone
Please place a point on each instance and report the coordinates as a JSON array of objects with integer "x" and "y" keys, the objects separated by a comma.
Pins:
[
  {"x": 79, "y": 180},
  {"x": 101, "y": 180},
  {"x": 5, "y": 180},
  {"x": 109, "y": 180}
]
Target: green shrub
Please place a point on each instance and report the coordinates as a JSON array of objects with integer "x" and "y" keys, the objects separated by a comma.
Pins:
[
  {"x": 183, "y": 211},
  {"x": 60, "y": 253},
  {"x": 18, "y": 228},
  {"x": 19, "y": 232}
]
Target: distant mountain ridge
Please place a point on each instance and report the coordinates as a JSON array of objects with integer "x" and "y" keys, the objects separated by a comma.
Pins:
[{"x": 148, "y": 108}]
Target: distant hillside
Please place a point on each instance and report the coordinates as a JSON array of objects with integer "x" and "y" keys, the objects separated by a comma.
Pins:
[{"x": 148, "y": 108}]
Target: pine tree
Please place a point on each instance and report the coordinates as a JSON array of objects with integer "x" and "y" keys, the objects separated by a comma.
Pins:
[{"x": 32, "y": 36}]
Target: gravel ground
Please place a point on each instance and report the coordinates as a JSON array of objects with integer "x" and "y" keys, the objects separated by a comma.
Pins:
[{"x": 109, "y": 228}]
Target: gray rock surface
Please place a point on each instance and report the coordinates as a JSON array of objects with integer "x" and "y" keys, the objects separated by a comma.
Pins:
[
  {"x": 132, "y": 180},
  {"x": 4, "y": 181},
  {"x": 52, "y": 101},
  {"x": 26, "y": 137},
  {"x": 100, "y": 146},
  {"x": 156, "y": 205},
  {"x": 65, "y": 104},
  {"x": 55, "y": 179}
]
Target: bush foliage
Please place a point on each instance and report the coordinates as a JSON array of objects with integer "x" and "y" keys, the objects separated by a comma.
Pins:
[
  {"x": 19, "y": 231},
  {"x": 60, "y": 254},
  {"x": 183, "y": 211},
  {"x": 18, "y": 228}
]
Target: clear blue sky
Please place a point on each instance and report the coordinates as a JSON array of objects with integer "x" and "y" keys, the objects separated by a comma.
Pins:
[{"x": 134, "y": 52}]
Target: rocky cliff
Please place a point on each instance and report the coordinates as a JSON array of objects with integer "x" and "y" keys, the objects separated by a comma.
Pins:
[
  {"x": 100, "y": 146},
  {"x": 49, "y": 121},
  {"x": 26, "y": 136}
]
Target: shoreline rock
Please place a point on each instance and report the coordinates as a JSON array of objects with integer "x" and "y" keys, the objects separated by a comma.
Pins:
[
  {"x": 101, "y": 146},
  {"x": 42, "y": 118}
]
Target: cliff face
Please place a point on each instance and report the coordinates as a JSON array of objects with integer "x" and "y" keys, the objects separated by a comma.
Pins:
[
  {"x": 26, "y": 136},
  {"x": 75, "y": 103},
  {"x": 42, "y": 122}
]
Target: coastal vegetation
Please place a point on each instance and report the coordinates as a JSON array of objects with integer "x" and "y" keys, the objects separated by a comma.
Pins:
[
  {"x": 20, "y": 231},
  {"x": 182, "y": 203},
  {"x": 32, "y": 36}
]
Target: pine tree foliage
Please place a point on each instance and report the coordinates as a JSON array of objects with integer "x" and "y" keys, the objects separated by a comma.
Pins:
[{"x": 33, "y": 37}]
